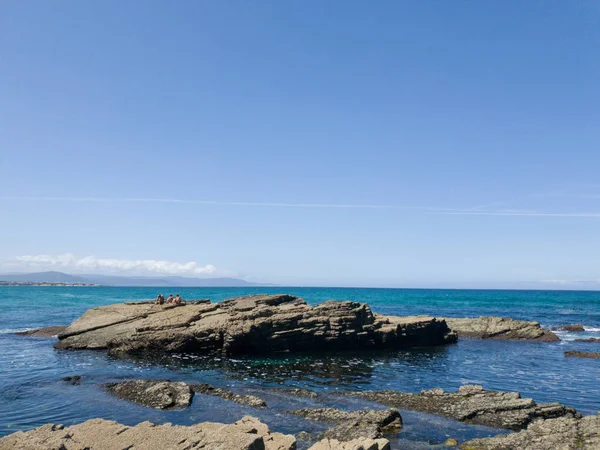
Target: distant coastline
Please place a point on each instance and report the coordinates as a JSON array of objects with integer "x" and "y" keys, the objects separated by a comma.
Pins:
[{"x": 36, "y": 283}]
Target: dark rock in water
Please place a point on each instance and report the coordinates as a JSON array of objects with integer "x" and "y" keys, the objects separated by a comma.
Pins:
[
  {"x": 250, "y": 325},
  {"x": 158, "y": 394},
  {"x": 250, "y": 400},
  {"x": 296, "y": 392},
  {"x": 354, "y": 424},
  {"x": 562, "y": 433},
  {"x": 589, "y": 340},
  {"x": 577, "y": 354},
  {"x": 248, "y": 433},
  {"x": 575, "y": 328},
  {"x": 74, "y": 379},
  {"x": 473, "y": 404},
  {"x": 500, "y": 328},
  {"x": 43, "y": 332}
]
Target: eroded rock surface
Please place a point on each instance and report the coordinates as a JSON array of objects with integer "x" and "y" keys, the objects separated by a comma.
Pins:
[
  {"x": 356, "y": 444},
  {"x": 473, "y": 404},
  {"x": 158, "y": 394},
  {"x": 489, "y": 327},
  {"x": 353, "y": 425},
  {"x": 250, "y": 400},
  {"x": 252, "y": 324},
  {"x": 565, "y": 433},
  {"x": 578, "y": 354},
  {"x": 43, "y": 332},
  {"x": 99, "y": 434}
]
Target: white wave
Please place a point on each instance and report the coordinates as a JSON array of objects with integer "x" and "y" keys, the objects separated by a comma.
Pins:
[
  {"x": 592, "y": 329},
  {"x": 14, "y": 330}
]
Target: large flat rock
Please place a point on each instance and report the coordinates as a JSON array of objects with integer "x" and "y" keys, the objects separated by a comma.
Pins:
[
  {"x": 99, "y": 434},
  {"x": 565, "y": 433},
  {"x": 489, "y": 327},
  {"x": 252, "y": 324},
  {"x": 473, "y": 404}
]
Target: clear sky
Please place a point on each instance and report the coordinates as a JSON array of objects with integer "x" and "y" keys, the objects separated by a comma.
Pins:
[{"x": 389, "y": 143}]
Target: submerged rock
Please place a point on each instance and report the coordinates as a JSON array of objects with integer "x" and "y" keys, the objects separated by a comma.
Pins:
[
  {"x": 252, "y": 324},
  {"x": 473, "y": 404},
  {"x": 246, "y": 434},
  {"x": 566, "y": 433},
  {"x": 589, "y": 340},
  {"x": 575, "y": 328},
  {"x": 250, "y": 400},
  {"x": 352, "y": 425},
  {"x": 355, "y": 444},
  {"x": 578, "y": 354},
  {"x": 296, "y": 392},
  {"x": 489, "y": 327},
  {"x": 158, "y": 394},
  {"x": 43, "y": 332},
  {"x": 73, "y": 379}
]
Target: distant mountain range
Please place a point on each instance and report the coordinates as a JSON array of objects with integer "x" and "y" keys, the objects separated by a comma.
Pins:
[{"x": 114, "y": 280}]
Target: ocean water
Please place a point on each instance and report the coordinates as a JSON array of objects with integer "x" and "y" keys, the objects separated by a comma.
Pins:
[{"x": 31, "y": 393}]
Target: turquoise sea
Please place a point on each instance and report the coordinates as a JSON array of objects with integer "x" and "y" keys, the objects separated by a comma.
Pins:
[{"x": 31, "y": 393}]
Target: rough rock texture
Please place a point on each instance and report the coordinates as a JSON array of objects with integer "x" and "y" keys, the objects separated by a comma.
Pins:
[
  {"x": 250, "y": 400},
  {"x": 99, "y": 434},
  {"x": 575, "y": 328},
  {"x": 473, "y": 404},
  {"x": 451, "y": 442},
  {"x": 297, "y": 392},
  {"x": 353, "y": 425},
  {"x": 577, "y": 354},
  {"x": 589, "y": 340},
  {"x": 499, "y": 328},
  {"x": 43, "y": 332},
  {"x": 356, "y": 444},
  {"x": 252, "y": 324},
  {"x": 553, "y": 434},
  {"x": 158, "y": 394}
]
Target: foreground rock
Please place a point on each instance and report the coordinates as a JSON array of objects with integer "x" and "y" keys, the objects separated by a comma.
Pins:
[
  {"x": 353, "y": 425},
  {"x": 356, "y": 444},
  {"x": 577, "y": 354},
  {"x": 565, "y": 433},
  {"x": 99, "y": 434},
  {"x": 500, "y": 328},
  {"x": 473, "y": 404},
  {"x": 43, "y": 332},
  {"x": 158, "y": 394},
  {"x": 250, "y": 400},
  {"x": 589, "y": 340},
  {"x": 253, "y": 324}
]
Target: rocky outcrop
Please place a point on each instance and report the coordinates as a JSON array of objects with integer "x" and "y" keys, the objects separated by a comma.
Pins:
[
  {"x": 250, "y": 400},
  {"x": 473, "y": 404},
  {"x": 43, "y": 332},
  {"x": 566, "y": 433},
  {"x": 73, "y": 379},
  {"x": 575, "y": 328},
  {"x": 353, "y": 425},
  {"x": 99, "y": 434},
  {"x": 252, "y": 324},
  {"x": 356, "y": 444},
  {"x": 499, "y": 328},
  {"x": 577, "y": 354},
  {"x": 158, "y": 394},
  {"x": 589, "y": 340}
]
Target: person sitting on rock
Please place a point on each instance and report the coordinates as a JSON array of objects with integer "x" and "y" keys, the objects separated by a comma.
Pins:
[
  {"x": 160, "y": 299},
  {"x": 170, "y": 299},
  {"x": 177, "y": 300}
]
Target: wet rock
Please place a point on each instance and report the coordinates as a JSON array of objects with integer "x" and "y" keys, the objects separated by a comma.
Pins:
[
  {"x": 296, "y": 392},
  {"x": 578, "y": 354},
  {"x": 566, "y": 433},
  {"x": 450, "y": 442},
  {"x": 99, "y": 434},
  {"x": 356, "y": 444},
  {"x": 247, "y": 325},
  {"x": 575, "y": 328},
  {"x": 43, "y": 332},
  {"x": 354, "y": 424},
  {"x": 158, "y": 394},
  {"x": 589, "y": 340},
  {"x": 74, "y": 379},
  {"x": 250, "y": 400},
  {"x": 500, "y": 328},
  {"x": 473, "y": 404}
]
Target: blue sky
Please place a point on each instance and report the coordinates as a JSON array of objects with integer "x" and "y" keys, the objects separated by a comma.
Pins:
[{"x": 395, "y": 143}]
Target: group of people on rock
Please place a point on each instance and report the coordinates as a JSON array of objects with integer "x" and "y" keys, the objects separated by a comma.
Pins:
[{"x": 177, "y": 300}]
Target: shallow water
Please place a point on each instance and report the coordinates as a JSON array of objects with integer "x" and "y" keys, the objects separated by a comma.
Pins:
[{"x": 32, "y": 394}]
